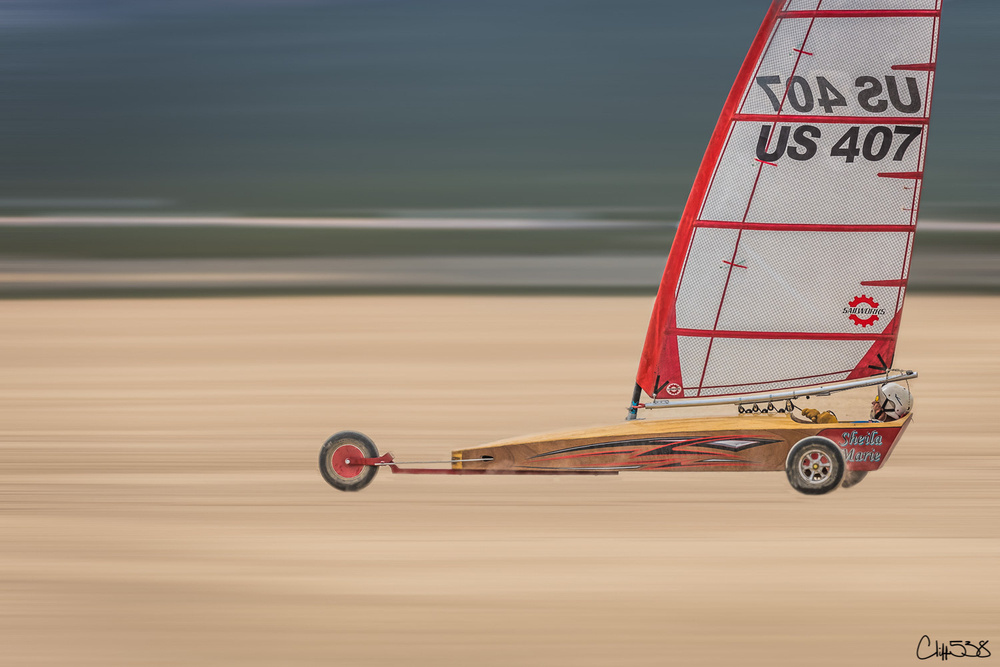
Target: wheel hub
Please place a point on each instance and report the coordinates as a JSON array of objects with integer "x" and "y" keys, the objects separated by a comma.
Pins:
[
  {"x": 815, "y": 467},
  {"x": 342, "y": 461}
]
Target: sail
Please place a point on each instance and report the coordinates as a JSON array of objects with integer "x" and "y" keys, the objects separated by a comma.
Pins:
[{"x": 790, "y": 262}]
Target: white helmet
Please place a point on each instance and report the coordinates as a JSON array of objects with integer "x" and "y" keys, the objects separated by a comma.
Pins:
[{"x": 894, "y": 401}]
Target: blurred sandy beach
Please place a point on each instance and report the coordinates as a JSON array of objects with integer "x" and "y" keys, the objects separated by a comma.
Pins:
[{"x": 161, "y": 503}]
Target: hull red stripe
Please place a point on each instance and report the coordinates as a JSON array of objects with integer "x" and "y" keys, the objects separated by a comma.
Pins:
[
  {"x": 859, "y": 13},
  {"x": 850, "y": 120},
  {"x": 781, "y": 227},
  {"x": 576, "y": 456}
]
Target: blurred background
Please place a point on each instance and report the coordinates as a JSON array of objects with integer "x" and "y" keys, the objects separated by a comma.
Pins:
[
  {"x": 159, "y": 497},
  {"x": 395, "y": 145}
]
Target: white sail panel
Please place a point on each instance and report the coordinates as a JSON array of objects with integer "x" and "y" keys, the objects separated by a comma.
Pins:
[
  {"x": 790, "y": 262},
  {"x": 767, "y": 293},
  {"x": 787, "y": 305},
  {"x": 824, "y": 189},
  {"x": 744, "y": 366},
  {"x": 844, "y": 79},
  {"x": 705, "y": 277},
  {"x": 693, "y": 351}
]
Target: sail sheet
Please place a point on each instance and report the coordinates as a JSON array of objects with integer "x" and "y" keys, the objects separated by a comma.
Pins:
[{"x": 790, "y": 262}]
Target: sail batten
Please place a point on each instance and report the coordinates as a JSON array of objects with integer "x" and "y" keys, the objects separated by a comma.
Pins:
[
  {"x": 834, "y": 120},
  {"x": 791, "y": 259},
  {"x": 859, "y": 13}
]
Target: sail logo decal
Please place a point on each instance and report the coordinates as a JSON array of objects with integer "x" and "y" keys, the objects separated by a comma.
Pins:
[
  {"x": 863, "y": 306},
  {"x": 672, "y": 388}
]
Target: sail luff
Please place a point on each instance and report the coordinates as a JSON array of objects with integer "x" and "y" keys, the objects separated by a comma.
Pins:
[{"x": 653, "y": 358}]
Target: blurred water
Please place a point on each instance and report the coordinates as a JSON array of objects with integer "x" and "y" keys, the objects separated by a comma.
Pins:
[{"x": 341, "y": 107}]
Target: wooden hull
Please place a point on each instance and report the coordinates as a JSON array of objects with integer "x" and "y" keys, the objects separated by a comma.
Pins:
[{"x": 746, "y": 442}]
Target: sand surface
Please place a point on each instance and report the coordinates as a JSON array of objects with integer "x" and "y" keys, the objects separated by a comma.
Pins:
[{"x": 160, "y": 502}]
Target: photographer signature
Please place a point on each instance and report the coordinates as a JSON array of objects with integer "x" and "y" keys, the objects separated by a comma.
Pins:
[{"x": 954, "y": 649}]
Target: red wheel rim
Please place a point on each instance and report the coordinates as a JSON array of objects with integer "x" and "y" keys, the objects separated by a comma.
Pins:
[{"x": 339, "y": 461}]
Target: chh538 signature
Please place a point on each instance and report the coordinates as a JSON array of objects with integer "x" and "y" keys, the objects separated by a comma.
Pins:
[{"x": 951, "y": 649}]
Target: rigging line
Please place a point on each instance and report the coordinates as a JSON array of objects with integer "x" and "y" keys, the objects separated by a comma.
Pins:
[{"x": 746, "y": 212}]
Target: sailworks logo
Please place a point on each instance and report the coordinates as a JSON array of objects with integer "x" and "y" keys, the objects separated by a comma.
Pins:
[{"x": 863, "y": 310}]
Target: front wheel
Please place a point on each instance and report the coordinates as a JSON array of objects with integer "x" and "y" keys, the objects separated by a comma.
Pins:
[
  {"x": 815, "y": 466},
  {"x": 338, "y": 461}
]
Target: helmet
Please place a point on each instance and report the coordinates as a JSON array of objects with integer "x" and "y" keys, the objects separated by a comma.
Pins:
[{"x": 894, "y": 401}]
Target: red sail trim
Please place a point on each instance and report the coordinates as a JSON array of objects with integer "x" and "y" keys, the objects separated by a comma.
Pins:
[
  {"x": 849, "y": 120},
  {"x": 795, "y": 227},
  {"x": 917, "y": 67},
  {"x": 879, "y": 356},
  {"x": 884, "y": 283},
  {"x": 859, "y": 13},
  {"x": 901, "y": 174},
  {"x": 660, "y": 360},
  {"x": 776, "y": 335}
]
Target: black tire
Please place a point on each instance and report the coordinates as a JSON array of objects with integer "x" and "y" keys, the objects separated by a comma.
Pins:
[
  {"x": 853, "y": 478},
  {"x": 815, "y": 466},
  {"x": 335, "y": 456}
]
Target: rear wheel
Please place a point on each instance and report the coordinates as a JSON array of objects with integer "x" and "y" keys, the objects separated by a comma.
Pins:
[
  {"x": 338, "y": 461},
  {"x": 853, "y": 478},
  {"x": 815, "y": 466}
]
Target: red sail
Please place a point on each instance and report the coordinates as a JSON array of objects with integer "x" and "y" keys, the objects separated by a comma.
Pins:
[{"x": 790, "y": 263}]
